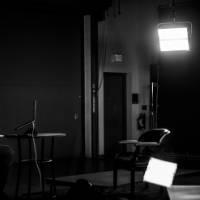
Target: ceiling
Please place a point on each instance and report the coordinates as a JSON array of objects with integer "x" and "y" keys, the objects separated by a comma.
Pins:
[{"x": 82, "y": 6}]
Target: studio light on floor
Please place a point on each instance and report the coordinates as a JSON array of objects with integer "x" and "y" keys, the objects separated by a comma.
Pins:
[{"x": 174, "y": 37}]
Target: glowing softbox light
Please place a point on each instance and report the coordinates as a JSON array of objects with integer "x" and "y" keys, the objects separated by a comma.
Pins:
[
  {"x": 160, "y": 172},
  {"x": 174, "y": 37}
]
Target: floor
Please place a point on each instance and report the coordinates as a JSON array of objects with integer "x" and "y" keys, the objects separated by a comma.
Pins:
[
  {"x": 63, "y": 167},
  {"x": 78, "y": 166}
]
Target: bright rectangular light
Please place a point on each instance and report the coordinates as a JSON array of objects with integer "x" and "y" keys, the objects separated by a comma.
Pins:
[
  {"x": 173, "y": 39},
  {"x": 160, "y": 172}
]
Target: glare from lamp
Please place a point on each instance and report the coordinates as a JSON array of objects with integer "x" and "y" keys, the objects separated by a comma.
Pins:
[{"x": 173, "y": 39}]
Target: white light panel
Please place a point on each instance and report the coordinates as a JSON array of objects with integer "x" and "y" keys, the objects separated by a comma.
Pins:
[
  {"x": 160, "y": 172},
  {"x": 173, "y": 39}
]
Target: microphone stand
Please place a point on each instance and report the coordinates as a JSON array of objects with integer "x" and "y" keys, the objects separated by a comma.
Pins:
[{"x": 33, "y": 131}]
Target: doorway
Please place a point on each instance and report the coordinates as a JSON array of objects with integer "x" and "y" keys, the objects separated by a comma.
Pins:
[{"x": 114, "y": 112}]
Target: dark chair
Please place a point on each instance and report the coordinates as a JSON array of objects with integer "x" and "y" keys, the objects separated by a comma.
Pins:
[{"x": 148, "y": 144}]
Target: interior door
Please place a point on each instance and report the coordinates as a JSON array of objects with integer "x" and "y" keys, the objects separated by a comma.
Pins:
[{"x": 114, "y": 111}]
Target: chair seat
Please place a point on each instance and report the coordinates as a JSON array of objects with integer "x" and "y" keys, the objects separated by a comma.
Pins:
[
  {"x": 128, "y": 156},
  {"x": 141, "y": 165},
  {"x": 126, "y": 160}
]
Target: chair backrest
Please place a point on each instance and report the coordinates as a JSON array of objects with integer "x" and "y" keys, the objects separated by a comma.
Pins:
[{"x": 154, "y": 135}]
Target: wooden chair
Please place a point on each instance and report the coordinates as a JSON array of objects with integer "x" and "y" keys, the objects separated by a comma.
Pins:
[{"x": 147, "y": 145}]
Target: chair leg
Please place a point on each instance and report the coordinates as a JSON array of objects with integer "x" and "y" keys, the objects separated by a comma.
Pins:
[
  {"x": 132, "y": 181},
  {"x": 146, "y": 186},
  {"x": 18, "y": 181},
  {"x": 53, "y": 190},
  {"x": 115, "y": 178}
]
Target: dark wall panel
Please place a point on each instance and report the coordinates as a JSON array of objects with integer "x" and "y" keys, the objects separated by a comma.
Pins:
[
  {"x": 40, "y": 58},
  {"x": 179, "y": 93}
]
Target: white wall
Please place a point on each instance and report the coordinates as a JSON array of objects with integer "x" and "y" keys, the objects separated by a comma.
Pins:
[{"x": 132, "y": 34}]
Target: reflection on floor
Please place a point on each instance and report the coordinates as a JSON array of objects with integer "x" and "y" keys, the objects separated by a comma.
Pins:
[{"x": 81, "y": 166}]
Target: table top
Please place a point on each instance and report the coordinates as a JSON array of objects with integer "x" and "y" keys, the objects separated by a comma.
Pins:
[{"x": 42, "y": 134}]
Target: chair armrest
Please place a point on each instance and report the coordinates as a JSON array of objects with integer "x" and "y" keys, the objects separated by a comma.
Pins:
[
  {"x": 147, "y": 144},
  {"x": 138, "y": 143},
  {"x": 128, "y": 142}
]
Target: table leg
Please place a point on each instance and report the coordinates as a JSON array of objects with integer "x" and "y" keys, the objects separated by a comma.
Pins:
[
  {"x": 52, "y": 185},
  {"x": 18, "y": 168},
  {"x": 42, "y": 165},
  {"x": 30, "y": 168}
]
